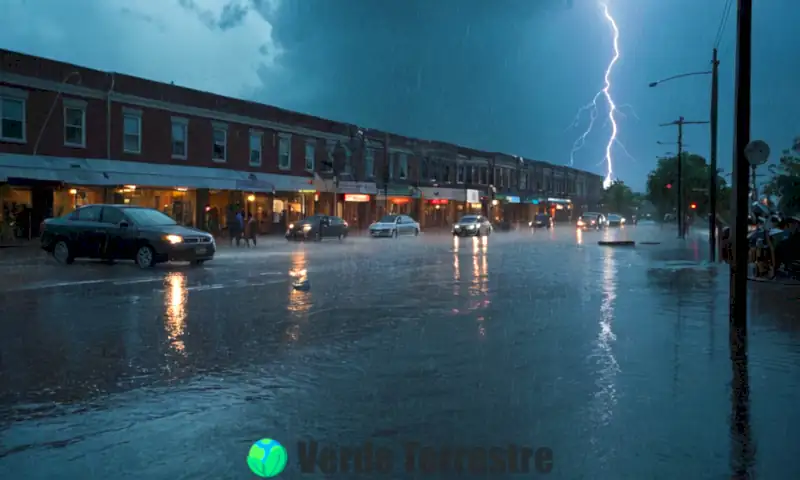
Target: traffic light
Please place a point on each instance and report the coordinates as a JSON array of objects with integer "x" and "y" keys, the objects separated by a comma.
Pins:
[
  {"x": 693, "y": 206},
  {"x": 669, "y": 185}
]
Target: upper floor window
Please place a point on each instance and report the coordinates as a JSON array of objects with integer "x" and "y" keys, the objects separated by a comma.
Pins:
[
  {"x": 460, "y": 174},
  {"x": 284, "y": 151},
  {"x": 131, "y": 131},
  {"x": 255, "y": 149},
  {"x": 403, "y": 167},
  {"x": 311, "y": 154},
  {"x": 369, "y": 163},
  {"x": 483, "y": 176},
  {"x": 12, "y": 115},
  {"x": 74, "y": 123},
  {"x": 390, "y": 168},
  {"x": 180, "y": 134},
  {"x": 446, "y": 178},
  {"x": 219, "y": 150}
]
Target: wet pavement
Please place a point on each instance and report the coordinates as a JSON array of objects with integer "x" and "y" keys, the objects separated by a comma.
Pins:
[{"x": 617, "y": 359}]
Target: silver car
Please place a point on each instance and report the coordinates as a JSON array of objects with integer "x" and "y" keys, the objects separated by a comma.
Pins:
[
  {"x": 394, "y": 226},
  {"x": 472, "y": 225}
]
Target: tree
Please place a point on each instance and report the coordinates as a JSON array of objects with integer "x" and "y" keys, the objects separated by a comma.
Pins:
[
  {"x": 619, "y": 198},
  {"x": 662, "y": 186},
  {"x": 785, "y": 183}
]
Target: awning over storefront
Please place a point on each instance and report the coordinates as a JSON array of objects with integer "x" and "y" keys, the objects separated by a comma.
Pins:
[
  {"x": 398, "y": 191},
  {"x": 102, "y": 172},
  {"x": 454, "y": 194},
  {"x": 365, "y": 188}
]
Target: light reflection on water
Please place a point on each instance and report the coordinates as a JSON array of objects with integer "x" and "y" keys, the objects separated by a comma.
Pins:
[
  {"x": 299, "y": 303},
  {"x": 606, "y": 396},
  {"x": 175, "y": 299},
  {"x": 579, "y": 236}
]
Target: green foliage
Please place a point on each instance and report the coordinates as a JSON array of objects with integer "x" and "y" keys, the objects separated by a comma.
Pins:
[
  {"x": 696, "y": 172},
  {"x": 619, "y": 198},
  {"x": 785, "y": 183}
]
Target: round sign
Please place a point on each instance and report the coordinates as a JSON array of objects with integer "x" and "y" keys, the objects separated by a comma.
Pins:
[{"x": 757, "y": 152}]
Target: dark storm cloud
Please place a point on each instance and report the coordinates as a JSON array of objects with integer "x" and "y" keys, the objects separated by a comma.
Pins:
[
  {"x": 437, "y": 69},
  {"x": 233, "y": 14}
]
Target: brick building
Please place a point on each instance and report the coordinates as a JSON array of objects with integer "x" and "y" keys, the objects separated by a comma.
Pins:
[{"x": 70, "y": 135}]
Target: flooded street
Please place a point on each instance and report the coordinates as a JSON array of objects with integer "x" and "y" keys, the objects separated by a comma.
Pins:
[{"x": 617, "y": 359}]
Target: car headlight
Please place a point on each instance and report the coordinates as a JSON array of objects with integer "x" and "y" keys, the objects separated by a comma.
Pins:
[
  {"x": 174, "y": 239},
  {"x": 622, "y": 221},
  {"x": 291, "y": 226},
  {"x": 580, "y": 223},
  {"x": 306, "y": 227},
  {"x": 530, "y": 224}
]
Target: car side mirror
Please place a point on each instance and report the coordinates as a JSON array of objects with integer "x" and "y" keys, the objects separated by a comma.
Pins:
[{"x": 123, "y": 224}]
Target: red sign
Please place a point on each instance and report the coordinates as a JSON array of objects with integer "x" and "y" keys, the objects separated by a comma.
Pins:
[
  {"x": 438, "y": 201},
  {"x": 355, "y": 197},
  {"x": 400, "y": 200}
]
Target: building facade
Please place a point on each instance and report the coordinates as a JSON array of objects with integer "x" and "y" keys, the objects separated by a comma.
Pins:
[{"x": 71, "y": 136}]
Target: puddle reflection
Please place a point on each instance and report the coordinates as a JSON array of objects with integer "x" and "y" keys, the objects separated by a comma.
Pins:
[
  {"x": 299, "y": 300},
  {"x": 579, "y": 236},
  {"x": 175, "y": 299}
]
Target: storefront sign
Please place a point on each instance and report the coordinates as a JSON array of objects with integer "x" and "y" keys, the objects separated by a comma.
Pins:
[
  {"x": 512, "y": 199},
  {"x": 400, "y": 200},
  {"x": 356, "y": 197},
  {"x": 438, "y": 201},
  {"x": 559, "y": 200},
  {"x": 473, "y": 196},
  {"x": 457, "y": 195}
]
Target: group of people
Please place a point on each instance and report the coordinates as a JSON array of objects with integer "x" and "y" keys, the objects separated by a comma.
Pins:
[{"x": 241, "y": 226}]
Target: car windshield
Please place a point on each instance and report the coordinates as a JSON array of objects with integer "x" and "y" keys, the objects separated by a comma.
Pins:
[
  {"x": 541, "y": 216},
  {"x": 146, "y": 217},
  {"x": 468, "y": 219},
  {"x": 388, "y": 219},
  {"x": 588, "y": 217},
  {"x": 614, "y": 216}
]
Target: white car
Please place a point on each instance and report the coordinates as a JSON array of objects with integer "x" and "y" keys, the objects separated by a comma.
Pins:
[{"x": 394, "y": 226}]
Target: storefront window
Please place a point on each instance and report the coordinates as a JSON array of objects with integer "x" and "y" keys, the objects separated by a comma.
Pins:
[
  {"x": 179, "y": 204},
  {"x": 68, "y": 199}
]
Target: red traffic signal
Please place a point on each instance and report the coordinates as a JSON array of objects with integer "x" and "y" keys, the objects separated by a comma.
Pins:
[
  {"x": 669, "y": 185},
  {"x": 693, "y": 206}
]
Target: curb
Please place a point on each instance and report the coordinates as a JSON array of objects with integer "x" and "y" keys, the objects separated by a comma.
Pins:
[{"x": 617, "y": 243}]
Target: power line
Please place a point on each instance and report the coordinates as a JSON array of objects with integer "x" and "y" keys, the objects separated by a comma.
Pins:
[{"x": 723, "y": 22}]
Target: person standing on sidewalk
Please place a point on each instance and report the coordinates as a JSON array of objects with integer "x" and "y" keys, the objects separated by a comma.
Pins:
[{"x": 250, "y": 230}]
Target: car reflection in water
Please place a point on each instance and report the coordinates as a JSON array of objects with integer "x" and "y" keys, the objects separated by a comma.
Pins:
[
  {"x": 175, "y": 299},
  {"x": 477, "y": 291}
]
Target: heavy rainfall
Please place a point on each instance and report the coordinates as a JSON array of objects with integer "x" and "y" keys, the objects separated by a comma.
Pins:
[{"x": 369, "y": 252}]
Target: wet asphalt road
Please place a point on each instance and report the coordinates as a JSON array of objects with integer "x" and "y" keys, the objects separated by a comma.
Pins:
[{"x": 617, "y": 359}]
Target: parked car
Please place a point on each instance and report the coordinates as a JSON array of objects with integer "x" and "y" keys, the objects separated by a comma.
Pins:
[
  {"x": 591, "y": 220},
  {"x": 317, "y": 227},
  {"x": 542, "y": 220},
  {"x": 615, "y": 220},
  {"x": 394, "y": 226},
  {"x": 472, "y": 225},
  {"x": 125, "y": 232}
]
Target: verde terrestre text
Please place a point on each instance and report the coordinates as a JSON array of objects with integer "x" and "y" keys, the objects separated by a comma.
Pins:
[{"x": 416, "y": 457}]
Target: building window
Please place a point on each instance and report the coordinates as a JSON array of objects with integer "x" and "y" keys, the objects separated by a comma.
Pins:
[
  {"x": 12, "y": 119},
  {"x": 284, "y": 151},
  {"x": 180, "y": 134},
  {"x": 255, "y": 149},
  {"x": 132, "y": 132},
  {"x": 403, "y": 171},
  {"x": 369, "y": 163},
  {"x": 74, "y": 123},
  {"x": 390, "y": 167},
  {"x": 311, "y": 153},
  {"x": 484, "y": 176},
  {"x": 219, "y": 150}
]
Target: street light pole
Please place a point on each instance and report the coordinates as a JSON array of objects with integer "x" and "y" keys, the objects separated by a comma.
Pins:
[{"x": 712, "y": 183}]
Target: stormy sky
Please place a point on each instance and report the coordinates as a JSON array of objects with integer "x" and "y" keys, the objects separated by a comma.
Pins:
[{"x": 503, "y": 75}]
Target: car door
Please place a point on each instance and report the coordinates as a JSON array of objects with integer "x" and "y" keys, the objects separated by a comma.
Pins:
[
  {"x": 337, "y": 225},
  {"x": 324, "y": 226},
  {"x": 120, "y": 240},
  {"x": 402, "y": 225},
  {"x": 90, "y": 235}
]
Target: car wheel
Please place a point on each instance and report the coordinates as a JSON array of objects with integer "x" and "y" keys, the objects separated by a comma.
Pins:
[
  {"x": 341, "y": 237},
  {"x": 62, "y": 253},
  {"x": 145, "y": 256},
  {"x": 317, "y": 237},
  {"x": 416, "y": 232}
]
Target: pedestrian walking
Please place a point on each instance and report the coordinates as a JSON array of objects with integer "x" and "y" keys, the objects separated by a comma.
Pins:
[
  {"x": 250, "y": 230},
  {"x": 235, "y": 226}
]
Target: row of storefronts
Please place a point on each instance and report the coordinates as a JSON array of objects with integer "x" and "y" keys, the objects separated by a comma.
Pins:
[{"x": 35, "y": 188}]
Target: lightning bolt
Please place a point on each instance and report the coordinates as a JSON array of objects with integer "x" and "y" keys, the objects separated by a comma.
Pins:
[{"x": 591, "y": 107}]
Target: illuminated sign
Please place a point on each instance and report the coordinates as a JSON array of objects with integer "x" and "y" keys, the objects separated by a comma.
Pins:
[
  {"x": 438, "y": 201},
  {"x": 512, "y": 199},
  {"x": 400, "y": 200},
  {"x": 356, "y": 197}
]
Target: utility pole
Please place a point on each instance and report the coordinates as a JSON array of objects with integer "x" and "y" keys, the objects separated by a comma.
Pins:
[
  {"x": 386, "y": 173},
  {"x": 680, "y": 122},
  {"x": 712, "y": 181},
  {"x": 740, "y": 408}
]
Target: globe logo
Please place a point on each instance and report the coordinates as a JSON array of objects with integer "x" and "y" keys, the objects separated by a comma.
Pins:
[{"x": 267, "y": 458}]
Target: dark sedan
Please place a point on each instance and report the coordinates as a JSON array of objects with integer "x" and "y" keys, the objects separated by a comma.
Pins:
[
  {"x": 541, "y": 220},
  {"x": 124, "y": 232},
  {"x": 615, "y": 220},
  {"x": 317, "y": 227},
  {"x": 472, "y": 225},
  {"x": 591, "y": 221}
]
